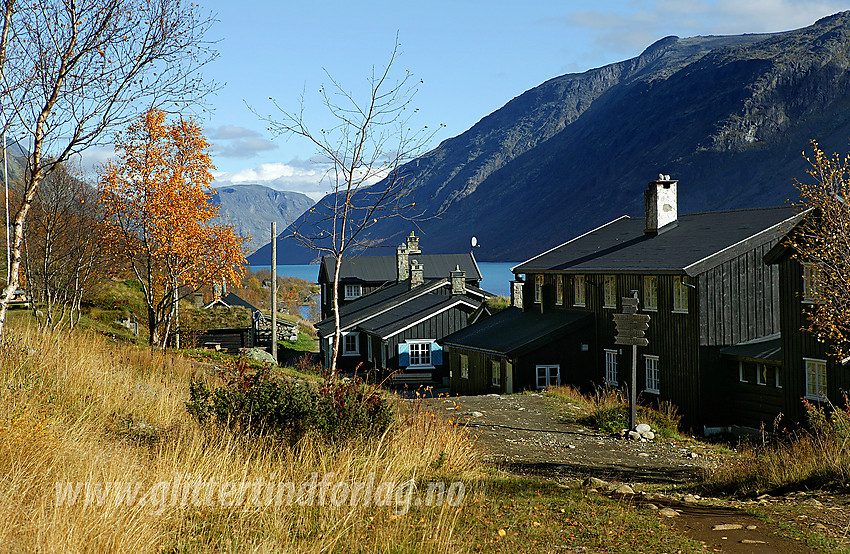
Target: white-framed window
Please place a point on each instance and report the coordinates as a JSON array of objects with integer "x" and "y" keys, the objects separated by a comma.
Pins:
[
  {"x": 653, "y": 374},
  {"x": 351, "y": 344},
  {"x": 680, "y": 295},
  {"x": 538, "y": 289},
  {"x": 579, "y": 291},
  {"x": 761, "y": 374},
  {"x": 548, "y": 376},
  {"x": 559, "y": 290},
  {"x": 611, "y": 367},
  {"x": 496, "y": 370},
  {"x": 610, "y": 291},
  {"x": 420, "y": 354},
  {"x": 810, "y": 284},
  {"x": 815, "y": 379},
  {"x": 742, "y": 376},
  {"x": 650, "y": 292},
  {"x": 464, "y": 366},
  {"x": 350, "y": 292},
  {"x": 777, "y": 377}
]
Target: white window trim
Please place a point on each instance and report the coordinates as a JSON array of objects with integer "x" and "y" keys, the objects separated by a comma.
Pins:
[
  {"x": 646, "y": 305},
  {"x": 777, "y": 377},
  {"x": 410, "y": 343},
  {"x": 614, "y": 354},
  {"x": 809, "y": 286},
  {"x": 742, "y": 378},
  {"x": 559, "y": 290},
  {"x": 815, "y": 397},
  {"x": 345, "y": 351},
  {"x": 605, "y": 280},
  {"x": 647, "y": 357},
  {"x": 464, "y": 367},
  {"x": 347, "y": 296},
  {"x": 538, "y": 289},
  {"x": 496, "y": 370},
  {"x": 680, "y": 291},
  {"x": 548, "y": 367},
  {"x": 761, "y": 375},
  {"x": 580, "y": 286}
]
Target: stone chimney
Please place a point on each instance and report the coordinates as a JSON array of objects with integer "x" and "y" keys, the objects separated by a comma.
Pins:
[
  {"x": 402, "y": 263},
  {"x": 516, "y": 292},
  {"x": 458, "y": 278},
  {"x": 417, "y": 274},
  {"x": 413, "y": 244},
  {"x": 661, "y": 200}
]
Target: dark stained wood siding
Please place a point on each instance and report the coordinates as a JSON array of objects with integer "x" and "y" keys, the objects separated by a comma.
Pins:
[
  {"x": 739, "y": 299},
  {"x": 749, "y": 403}
]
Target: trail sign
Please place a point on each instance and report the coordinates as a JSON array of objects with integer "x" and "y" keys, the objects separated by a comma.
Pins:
[{"x": 631, "y": 328}]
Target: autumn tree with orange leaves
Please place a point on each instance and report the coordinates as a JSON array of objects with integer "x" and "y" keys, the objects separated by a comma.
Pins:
[
  {"x": 159, "y": 217},
  {"x": 822, "y": 244}
]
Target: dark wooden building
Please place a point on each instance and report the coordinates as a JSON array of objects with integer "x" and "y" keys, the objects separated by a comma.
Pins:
[
  {"x": 359, "y": 276},
  {"x": 701, "y": 279},
  {"x": 394, "y": 329}
]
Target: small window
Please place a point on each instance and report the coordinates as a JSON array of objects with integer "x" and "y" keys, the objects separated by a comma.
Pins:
[
  {"x": 650, "y": 292},
  {"x": 680, "y": 295},
  {"x": 815, "y": 379},
  {"x": 353, "y": 291},
  {"x": 811, "y": 290},
  {"x": 351, "y": 344},
  {"x": 548, "y": 376},
  {"x": 761, "y": 374},
  {"x": 538, "y": 289},
  {"x": 777, "y": 377},
  {"x": 742, "y": 376},
  {"x": 653, "y": 376},
  {"x": 559, "y": 290},
  {"x": 420, "y": 354},
  {"x": 464, "y": 366},
  {"x": 496, "y": 367},
  {"x": 611, "y": 367},
  {"x": 610, "y": 288},
  {"x": 578, "y": 285}
]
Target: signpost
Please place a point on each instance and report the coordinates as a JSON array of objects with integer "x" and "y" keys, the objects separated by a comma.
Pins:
[
  {"x": 274, "y": 291},
  {"x": 631, "y": 327}
]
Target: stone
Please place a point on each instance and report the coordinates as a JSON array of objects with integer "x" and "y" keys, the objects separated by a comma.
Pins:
[
  {"x": 751, "y": 527},
  {"x": 668, "y": 512},
  {"x": 727, "y": 527},
  {"x": 648, "y": 435},
  {"x": 595, "y": 482},
  {"x": 474, "y": 414},
  {"x": 693, "y": 455},
  {"x": 642, "y": 428},
  {"x": 813, "y": 502},
  {"x": 260, "y": 355},
  {"x": 752, "y": 541},
  {"x": 652, "y": 506},
  {"x": 690, "y": 499},
  {"x": 634, "y": 435},
  {"x": 820, "y": 526},
  {"x": 624, "y": 489}
]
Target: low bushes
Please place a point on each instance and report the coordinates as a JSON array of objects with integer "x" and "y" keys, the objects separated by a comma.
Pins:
[{"x": 263, "y": 404}]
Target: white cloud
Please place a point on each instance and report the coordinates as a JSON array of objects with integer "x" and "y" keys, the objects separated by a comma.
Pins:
[{"x": 226, "y": 132}]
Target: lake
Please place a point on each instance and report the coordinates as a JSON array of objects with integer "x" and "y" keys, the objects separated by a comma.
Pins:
[{"x": 495, "y": 276}]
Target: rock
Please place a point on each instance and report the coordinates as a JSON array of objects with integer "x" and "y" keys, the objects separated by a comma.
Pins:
[
  {"x": 813, "y": 502},
  {"x": 727, "y": 527},
  {"x": 668, "y": 512},
  {"x": 693, "y": 455},
  {"x": 642, "y": 428},
  {"x": 634, "y": 435},
  {"x": 652, "y": 506},
  {"x": 595, "y": 483},
  {"x": 474, "y": 414},
  {"x": 751, "y": 541},
  {"x": 643, "y": 455},
  {"x": 624, "y": 489},
  {"x": 690, "y": 499},
  {"x": 751, "y": 527},
  {"x": 648, "y": 435},
  {"x": 260, "y": 355},
  {"x": 571, "y": 446},
  {"x": 820, "y": 526}
]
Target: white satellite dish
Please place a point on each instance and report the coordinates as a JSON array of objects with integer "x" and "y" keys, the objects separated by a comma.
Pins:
[{"x": 474, "y": 242}]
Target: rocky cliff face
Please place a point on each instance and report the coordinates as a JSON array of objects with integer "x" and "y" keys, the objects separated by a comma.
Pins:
[{"x": 727, "y": 116}]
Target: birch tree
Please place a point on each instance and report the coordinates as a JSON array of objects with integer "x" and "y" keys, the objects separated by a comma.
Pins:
[
  {"x": 366, "y": 145},
  {"x": 71, "y": 70}
]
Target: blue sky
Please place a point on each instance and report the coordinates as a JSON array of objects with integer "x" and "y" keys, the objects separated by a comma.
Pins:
[{"x": 472, "y": 56}]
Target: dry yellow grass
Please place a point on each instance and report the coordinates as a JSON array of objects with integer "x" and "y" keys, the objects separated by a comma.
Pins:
[{"x": 75, "y": 408}]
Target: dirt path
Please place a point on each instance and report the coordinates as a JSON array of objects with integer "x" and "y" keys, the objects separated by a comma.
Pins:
[{"x": 524, "y": 434}]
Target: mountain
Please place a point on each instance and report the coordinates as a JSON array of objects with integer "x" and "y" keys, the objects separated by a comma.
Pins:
[
  {"x": 728, "y": 116},
  {"x": 251, "y": 209}
]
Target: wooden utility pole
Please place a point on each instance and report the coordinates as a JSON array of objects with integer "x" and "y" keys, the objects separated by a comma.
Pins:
[
  {"x": 274, "y": 291},
  {"x": 630, "y": 331}
]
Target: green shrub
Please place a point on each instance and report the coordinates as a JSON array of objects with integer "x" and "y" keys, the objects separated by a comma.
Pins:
[{"x": 263, "y": 404}]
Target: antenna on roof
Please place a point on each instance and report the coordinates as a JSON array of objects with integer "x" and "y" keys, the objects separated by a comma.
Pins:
[{"x": 475, "y": 242}]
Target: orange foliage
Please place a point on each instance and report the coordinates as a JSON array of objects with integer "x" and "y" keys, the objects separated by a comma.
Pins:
[{"x": 159, "y": 215}]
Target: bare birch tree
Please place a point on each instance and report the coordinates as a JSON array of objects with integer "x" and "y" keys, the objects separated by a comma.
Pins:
[
  {"x": 71, "y": 70},
  {"x": 369, "y": 139}
]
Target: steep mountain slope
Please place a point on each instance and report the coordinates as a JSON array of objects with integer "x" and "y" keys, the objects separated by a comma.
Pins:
[
  {"x": 727, "y": 116},
  {"x": 251, "y": 208}
]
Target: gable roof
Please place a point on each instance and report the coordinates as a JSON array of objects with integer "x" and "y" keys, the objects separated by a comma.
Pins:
[
  {"x": 768, "y": 348},
  {"x": 691, "y": 245},
  {"x": 231, "y": 299},
  {"x": 381, "y": 269},
  {"x": 513, "y": 332},
  {"x": 412, "y": 313}
]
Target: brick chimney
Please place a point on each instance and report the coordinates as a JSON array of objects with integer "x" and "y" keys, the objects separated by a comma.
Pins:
[
  {"x": 413, "y": 244},
  {"x": 417, "y": 274},
  {"x": 402, "y": 263},
  {"x": 660, "y": 204},
  {"x": 458, "y": 278}
]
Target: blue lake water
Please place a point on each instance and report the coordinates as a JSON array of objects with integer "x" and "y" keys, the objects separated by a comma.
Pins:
[{"x": 495, "y": 276}]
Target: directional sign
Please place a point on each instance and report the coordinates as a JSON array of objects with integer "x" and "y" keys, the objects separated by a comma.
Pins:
[
  {"x": 631, "y": 341},
  {"x": 631, "y": 328},
  {"x": 622, "y": 318}
]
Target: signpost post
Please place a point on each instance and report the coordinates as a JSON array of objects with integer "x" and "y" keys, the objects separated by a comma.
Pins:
[
  {"x": 274, "y": 291},
  {"x": 631, "y": 327}
]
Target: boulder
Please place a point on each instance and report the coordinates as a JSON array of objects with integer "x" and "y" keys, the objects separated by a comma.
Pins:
[{"x": 642, "y": 428}]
